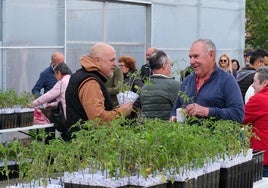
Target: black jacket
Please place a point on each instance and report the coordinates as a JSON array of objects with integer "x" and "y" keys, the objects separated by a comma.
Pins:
[
  {"x": 245, "y": 79},
  {"x": 74, "y": 108},
  {"x": 146, "y": 72}
]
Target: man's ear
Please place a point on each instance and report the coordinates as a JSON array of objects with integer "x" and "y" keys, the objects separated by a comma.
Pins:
[
  {"x": 97, "y": 59},
  {"x": 265, "y": 82},
  {"x": 211, "y": 53},
  {"x": 164, "y": 67}
]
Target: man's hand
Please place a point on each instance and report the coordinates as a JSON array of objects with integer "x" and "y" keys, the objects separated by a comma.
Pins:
[
  {"x": 173, "y": 119},
  {"x": 126, "y": 108},
  {"x": 197, "y": 110}
]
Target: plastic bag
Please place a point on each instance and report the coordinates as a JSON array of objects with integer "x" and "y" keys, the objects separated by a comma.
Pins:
[{"x": 40, "y": 118}]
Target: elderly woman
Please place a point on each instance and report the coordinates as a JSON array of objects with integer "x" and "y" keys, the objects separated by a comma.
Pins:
[
  {"x": 128, "y": 67},
  {"x": 226, "y": 64},
  {"x": 256, "y": 113},
  {"x": 61, "y": 71}
]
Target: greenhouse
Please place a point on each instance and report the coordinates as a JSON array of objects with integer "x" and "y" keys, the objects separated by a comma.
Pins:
[
  {"x": 31, "y": 30},
  {"x": 121, "y": 153}
]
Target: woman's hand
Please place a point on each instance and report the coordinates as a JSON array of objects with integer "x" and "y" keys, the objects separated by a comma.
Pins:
[{"x": 30, "y": 105}]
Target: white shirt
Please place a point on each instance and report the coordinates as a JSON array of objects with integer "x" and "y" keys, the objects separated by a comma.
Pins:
[{"x": 249, "y": 93}]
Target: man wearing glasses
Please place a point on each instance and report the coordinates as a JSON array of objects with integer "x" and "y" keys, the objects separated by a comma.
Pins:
[
  {"x": 245, "y": 76},
  {"x": 247, "y": 54}
]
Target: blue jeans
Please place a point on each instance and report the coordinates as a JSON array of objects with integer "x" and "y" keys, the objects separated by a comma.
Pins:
[{"x": 265, "y": 171}]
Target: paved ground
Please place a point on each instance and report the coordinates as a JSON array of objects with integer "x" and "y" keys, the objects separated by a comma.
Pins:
[{"x": 12, "y": 136}]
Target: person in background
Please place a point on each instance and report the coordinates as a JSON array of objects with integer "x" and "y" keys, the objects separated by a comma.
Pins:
[
  {"x": 250, "y": 90},
  {"x": 158, "y": 97},
  {"x": 246, "y": 74},
  {"x": 146, "y": 71},
  {"x": 127, "y": 65},
  {"x": 133, "y": 81},
  {"x": 47, "y": 79},
  {"x": 226, "y": 64},
  {"x": 61, "y": 73},
  {"x": 87, "y": 97},
  {"x": 56, "y": 95},
  {"x": 113, "y": 85},
  {"x": 256, "y": 114},
  {"x": 208, "y": 88},
  {"x": 235, "y": 64},
  {"x": 247, "y": 54}
]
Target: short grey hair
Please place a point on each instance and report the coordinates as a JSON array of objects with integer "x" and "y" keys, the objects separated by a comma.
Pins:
[
  {"x": 209, "y": 45},
  {"x": 262, "y": 74},
  {"x": 157, "y": 59}
]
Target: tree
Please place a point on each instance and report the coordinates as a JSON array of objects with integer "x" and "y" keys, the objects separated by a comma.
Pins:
[{"x": 257, "y": 23}]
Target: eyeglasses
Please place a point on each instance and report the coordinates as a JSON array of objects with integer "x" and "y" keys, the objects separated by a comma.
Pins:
[
  {"x": 223, "y": 60},
  {"x": 122, "y": 65}
]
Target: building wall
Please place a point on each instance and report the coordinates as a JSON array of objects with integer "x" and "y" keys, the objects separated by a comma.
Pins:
[{"x": 31, "y": 30}]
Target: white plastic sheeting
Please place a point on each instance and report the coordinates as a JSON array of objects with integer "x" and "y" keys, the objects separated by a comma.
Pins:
[{"x": 31, "y": 30}]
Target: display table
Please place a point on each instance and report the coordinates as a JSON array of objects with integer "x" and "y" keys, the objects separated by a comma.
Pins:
[
  {"x": 18, "y": 129},
  {"x": 22, "y": 130}
]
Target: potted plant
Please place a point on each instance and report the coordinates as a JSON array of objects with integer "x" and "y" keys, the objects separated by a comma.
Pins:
[
  {"x": 8, "y": 163},
  {"x": 13, "y": 109},
  {"x": 153, "y": 153}
]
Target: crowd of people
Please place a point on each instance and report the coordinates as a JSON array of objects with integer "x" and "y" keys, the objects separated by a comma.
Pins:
[{"x": 211, "y": 87}]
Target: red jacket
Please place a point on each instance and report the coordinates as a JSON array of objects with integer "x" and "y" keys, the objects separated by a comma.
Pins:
[{"x": 256, "y": 113}]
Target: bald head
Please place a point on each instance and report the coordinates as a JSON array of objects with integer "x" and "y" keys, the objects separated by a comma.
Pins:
[
  {"x": 149, "y": 52},
  {"x": 101, "y": 50},
  {"x": 57, "y": 58},
  {"x": 104, "y": 55}
]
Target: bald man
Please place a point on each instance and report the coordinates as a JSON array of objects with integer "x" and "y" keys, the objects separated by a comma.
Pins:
[
  {"x": 146, "y": 71},
  {"x": 87, "y": 97},
  {"x": 47, "y": 79}
]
